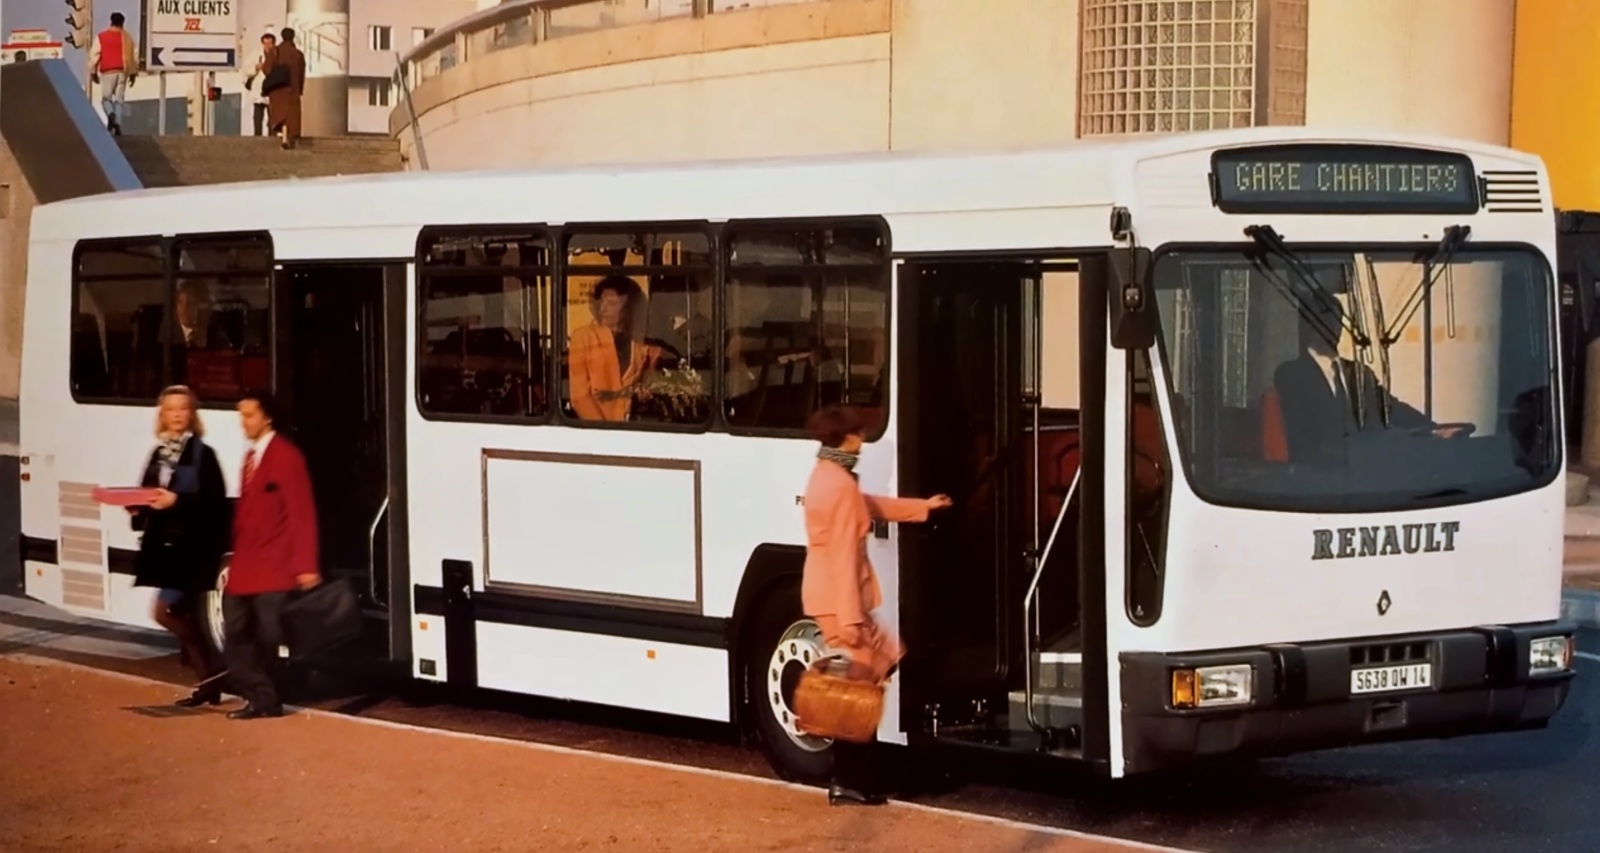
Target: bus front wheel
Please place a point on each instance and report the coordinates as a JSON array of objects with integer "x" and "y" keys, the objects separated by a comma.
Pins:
[{"x": 780, "y": 644}]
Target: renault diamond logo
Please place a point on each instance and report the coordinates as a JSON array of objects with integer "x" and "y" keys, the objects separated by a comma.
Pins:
[{"x": 1383, "y": 603}]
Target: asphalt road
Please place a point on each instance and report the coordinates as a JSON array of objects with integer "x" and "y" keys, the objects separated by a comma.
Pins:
[{"x": 1531, "y": 792}]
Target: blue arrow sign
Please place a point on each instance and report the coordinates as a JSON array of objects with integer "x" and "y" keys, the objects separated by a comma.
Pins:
[{"x": 192, "y": 57}]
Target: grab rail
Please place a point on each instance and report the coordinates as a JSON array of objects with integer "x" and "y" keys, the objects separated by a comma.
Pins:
[
  {"x": 1028, "y": 601},
  {"x": 372, "y": 553}
]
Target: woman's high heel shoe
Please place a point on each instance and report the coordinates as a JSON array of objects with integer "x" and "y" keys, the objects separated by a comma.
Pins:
[{"x": 200, "y": 697}]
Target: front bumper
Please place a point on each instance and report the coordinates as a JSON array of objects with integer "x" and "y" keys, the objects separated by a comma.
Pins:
[{"x": 1302, "y": 698}]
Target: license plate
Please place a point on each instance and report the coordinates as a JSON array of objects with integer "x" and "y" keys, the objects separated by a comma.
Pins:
[{"x": 1382, "y": 679}]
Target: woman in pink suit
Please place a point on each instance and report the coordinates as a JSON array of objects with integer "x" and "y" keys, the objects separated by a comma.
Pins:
[{"x": 839, "y": 589}]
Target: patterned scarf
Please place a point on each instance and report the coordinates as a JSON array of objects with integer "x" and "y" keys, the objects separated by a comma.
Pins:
[
  {"x": 844, "y": 460},
  {"x": 169, "y": 452}
]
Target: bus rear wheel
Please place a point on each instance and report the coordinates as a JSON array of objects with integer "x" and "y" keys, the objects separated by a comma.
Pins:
[
  {"x": 779, "y": 644},
  {"x": 206, "y": 616}
]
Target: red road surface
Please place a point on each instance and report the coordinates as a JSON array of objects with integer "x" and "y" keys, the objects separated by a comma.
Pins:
[{"x": 85, "y": 767}]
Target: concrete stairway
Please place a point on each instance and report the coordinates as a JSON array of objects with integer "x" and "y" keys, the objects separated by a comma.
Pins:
[{"x": 173, "y": 161}]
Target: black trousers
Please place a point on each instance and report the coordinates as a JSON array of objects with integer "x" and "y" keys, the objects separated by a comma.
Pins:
[
  {"x": 254, "y": 627},
  {"x": 859, "y": 767}
]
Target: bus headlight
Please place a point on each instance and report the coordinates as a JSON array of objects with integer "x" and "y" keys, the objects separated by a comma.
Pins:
[
  {"x": 1548, "y": 655},
  {"x": 1213, "y": 686}
]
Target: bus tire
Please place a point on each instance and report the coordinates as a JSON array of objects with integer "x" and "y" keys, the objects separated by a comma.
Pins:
[{"x": 778, "y": 644}]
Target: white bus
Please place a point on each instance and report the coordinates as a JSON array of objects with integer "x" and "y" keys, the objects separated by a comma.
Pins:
[{"x": 1184, "y": 527}]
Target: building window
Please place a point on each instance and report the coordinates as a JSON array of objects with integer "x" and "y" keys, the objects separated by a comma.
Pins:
[
  {"x": 1159, "y": 66},
  {"x": 639, "y": 327},
  {"x": 380, "y": 38},
  {"x": 379, "y": 92},
  {"x": 420, "y": 35},
  {"x": 808, "y": 317},
  {"x": 127, "y": 343},
  {"x": 486, "y": 323}
]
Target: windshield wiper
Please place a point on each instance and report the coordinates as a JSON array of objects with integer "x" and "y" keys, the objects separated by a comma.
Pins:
[
  {"x": 1314, "y": 315},
  {"x": 1438, "y": 260}
]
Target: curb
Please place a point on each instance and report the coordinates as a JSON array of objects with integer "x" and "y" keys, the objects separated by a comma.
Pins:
[{"x": 1581, "y": 606}]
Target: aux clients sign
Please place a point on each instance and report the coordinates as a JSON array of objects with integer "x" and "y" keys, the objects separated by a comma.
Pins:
[{"x": 192, "y": 35}]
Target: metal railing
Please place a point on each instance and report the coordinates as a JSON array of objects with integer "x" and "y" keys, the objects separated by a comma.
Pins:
[
  {"x": 521, "y": 23},
  {"x": 401, "y": 83}
]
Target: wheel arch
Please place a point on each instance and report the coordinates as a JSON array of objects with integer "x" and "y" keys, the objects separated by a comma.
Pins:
[{"x": 770, "y": 566}]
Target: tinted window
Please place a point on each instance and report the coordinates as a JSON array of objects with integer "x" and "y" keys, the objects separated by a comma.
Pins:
[
  {"x": 485, "y": 323},
  {"x": 808, "y": 319},
  {"x": 220, "y": 327},
  {"x": 639, "y": 327},
  {"x": 121, "y": 297}
]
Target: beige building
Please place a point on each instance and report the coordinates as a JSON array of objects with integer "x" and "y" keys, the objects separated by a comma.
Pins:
[{"x": 528, "y": 82}]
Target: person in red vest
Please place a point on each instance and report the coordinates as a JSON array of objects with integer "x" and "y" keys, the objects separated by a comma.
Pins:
[
  {"x": 114, "y": 60},
  {"x": 274, "y": 554}
]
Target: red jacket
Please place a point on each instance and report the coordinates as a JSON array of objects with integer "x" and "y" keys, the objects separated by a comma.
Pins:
[{"x": 274, "y": 524}]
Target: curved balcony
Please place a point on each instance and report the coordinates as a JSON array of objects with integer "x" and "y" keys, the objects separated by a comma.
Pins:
[{"x": 520, "y": 54}]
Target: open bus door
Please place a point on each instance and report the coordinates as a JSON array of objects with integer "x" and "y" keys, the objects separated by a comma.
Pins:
[
  {"x": 341, "y": 378},
  {"x": 1003, "y": 599}
]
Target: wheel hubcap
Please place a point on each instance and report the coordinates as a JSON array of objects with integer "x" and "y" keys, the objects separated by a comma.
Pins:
[
  {"x": 799, "y": 647},
  {"x": 213, "y": 611}
]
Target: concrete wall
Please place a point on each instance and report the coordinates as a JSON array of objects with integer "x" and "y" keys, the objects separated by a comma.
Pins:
[
  {"x": 1556, "y": 95},
  {"x": 16, "y": 209},
  {"x": 802, "y": 78},
  {"x": 1434, "y": 66},
  {"x": 854, "y": 75}
]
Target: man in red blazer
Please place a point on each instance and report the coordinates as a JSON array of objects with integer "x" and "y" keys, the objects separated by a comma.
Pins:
[{"x": 274, "y": 553}]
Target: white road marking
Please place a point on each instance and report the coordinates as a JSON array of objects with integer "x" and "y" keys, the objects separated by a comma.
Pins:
[
  {"x": 1589, "y": 656},
  {"x": 1041, "y": 829}
]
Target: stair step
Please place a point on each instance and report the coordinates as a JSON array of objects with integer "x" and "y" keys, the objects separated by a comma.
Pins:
[
  {"x": 1054, "y": 709},
  {"x": 1058, "y": 671},
  {"x": 170, "y": 161}
]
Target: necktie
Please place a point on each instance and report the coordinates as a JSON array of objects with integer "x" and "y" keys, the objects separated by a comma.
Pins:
[{"x": 249, "y": 467}]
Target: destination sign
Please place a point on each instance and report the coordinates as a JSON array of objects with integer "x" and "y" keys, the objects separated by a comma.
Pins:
[{"x": 1350, "y": 179}]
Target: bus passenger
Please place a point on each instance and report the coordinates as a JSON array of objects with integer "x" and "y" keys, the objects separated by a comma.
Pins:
[
  {"x": 185, "y": 530},
  {"x": 274, "y": 553},
  {"x": 604, "y": 360},
  {"x": 839, "y": 588}
]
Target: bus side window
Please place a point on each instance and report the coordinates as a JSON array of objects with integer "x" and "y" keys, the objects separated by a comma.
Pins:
[
  {"x": 807, "y": 323},
  {"x": 485, "y": 300},
  {"x": 1149, "y": 484},
  {"x": 219, "y": 330},
  {"x": 120, "y": 296},
  {"x": 639, "y": 333}
]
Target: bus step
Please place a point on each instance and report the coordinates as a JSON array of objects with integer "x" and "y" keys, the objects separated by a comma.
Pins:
[
  {"x": 1053, "y": 709},
  {"x": 998, "y": 742},
  {"x": 1058, "y": 672}
]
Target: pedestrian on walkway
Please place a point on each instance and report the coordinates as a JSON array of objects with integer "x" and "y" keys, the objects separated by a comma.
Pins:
[
  {"x": 264, "y": 63},
  {"x": 839, "y": 588},
  {"x": 114, "y": 63},
  {"x": 184, "y": 532},
  {"x": 283, "y": 101},
  {"x": 274, "y": 553}
]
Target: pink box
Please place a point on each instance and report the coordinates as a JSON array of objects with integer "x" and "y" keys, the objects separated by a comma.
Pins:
[{"x": 125, "y": 495}]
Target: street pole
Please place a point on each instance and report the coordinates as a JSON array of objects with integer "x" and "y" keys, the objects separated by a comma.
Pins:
[{"x": 161, "y": 103}]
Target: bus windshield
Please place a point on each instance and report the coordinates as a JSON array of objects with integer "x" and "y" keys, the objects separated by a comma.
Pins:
[{"x": 1359, "y": 379}]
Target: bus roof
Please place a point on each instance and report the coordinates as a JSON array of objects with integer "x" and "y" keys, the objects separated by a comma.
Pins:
[{"x": 1087, "y": 173}]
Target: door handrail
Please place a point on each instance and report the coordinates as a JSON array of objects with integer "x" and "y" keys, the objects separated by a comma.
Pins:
[
  {"x": 372, "y": 553},
  {"x": 1029, "y": 600}
]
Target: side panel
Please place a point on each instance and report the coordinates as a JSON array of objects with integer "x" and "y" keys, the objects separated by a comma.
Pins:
[{"x": 1100, "y": 546}]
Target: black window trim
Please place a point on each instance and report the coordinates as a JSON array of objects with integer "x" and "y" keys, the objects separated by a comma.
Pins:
[
  {"x": 1180, "y": 460},
  {"x": 170, "y": 276},
  {"x": 423, "y": 271},
  {"x": 716, "y": 232}
]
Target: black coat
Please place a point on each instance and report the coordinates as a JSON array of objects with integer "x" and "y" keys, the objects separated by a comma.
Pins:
[{"x": 182, "y": 545}]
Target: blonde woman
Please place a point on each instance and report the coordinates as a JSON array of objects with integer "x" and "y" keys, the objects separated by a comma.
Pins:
[{"x": 184, "y": 530}]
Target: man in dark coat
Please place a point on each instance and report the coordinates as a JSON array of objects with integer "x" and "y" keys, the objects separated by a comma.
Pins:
[{"x": 283, "y": 104}]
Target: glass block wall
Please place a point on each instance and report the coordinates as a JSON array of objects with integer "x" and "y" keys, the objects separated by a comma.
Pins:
[{"x": 1159, "y": 66}]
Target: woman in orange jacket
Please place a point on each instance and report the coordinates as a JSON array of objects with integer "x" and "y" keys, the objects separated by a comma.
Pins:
[{"x": 839, "y": 588}]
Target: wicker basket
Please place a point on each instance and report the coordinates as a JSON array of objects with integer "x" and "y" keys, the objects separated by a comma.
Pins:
[{"x": 829, "y": 705}]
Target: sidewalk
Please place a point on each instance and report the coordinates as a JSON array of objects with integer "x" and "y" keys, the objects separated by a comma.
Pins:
[{"x": 106, "y": 762}]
